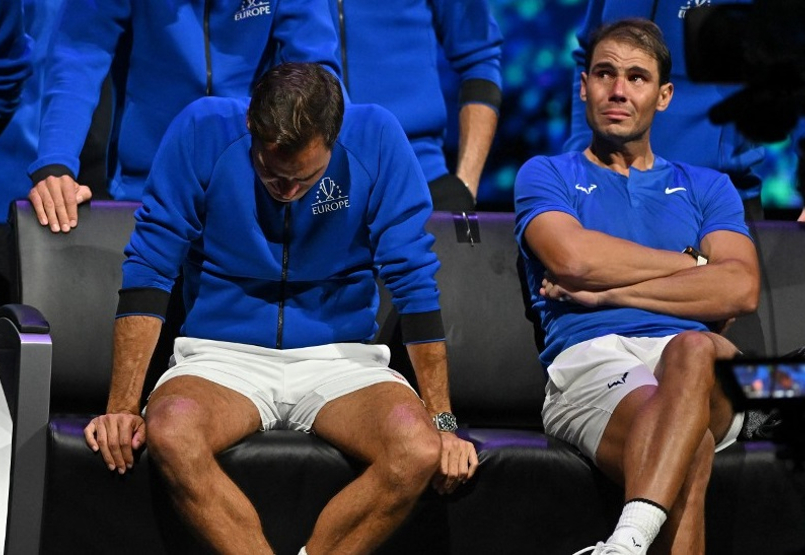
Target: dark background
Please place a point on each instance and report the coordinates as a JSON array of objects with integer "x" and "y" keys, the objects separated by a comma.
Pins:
[{"x": 539, "y": 37}]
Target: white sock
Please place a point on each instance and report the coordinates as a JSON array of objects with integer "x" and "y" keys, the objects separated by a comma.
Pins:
[
  {"x": 303, "y": 551},
  {"x": 732, "y": 433},
  {"x": 639, "y": 525}
]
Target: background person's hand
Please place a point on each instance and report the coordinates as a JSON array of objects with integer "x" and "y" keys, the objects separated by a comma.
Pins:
[{"x": 56, "y": 200}]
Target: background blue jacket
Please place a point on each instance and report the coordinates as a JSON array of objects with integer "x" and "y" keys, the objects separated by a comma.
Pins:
[
  {"x": 179, "y": 51},
  {"x": 682, "y": 133},
  {"x": 283, "y": 275},
  {"x": 17, "y": 58},
  {"x": 389, "y": 56}
]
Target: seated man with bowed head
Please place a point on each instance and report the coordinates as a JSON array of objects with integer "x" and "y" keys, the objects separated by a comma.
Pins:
[
  {"x": 628, "y": 258},
  {"x": 280, "y": 211}
]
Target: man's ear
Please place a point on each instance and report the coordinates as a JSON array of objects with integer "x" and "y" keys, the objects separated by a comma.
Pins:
[
  {"x": 248, "y": 124},
  {"x": 583, "y": 88},
  {"x": 666, "y": 93}
]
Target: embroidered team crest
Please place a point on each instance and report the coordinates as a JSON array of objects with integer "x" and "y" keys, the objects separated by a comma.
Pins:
[
  {"x": 587, "y": 190},
  {"x": 689, "y": 5},
  {"x": 329, "y": 197},
  {"x": 252, "y": 8}
]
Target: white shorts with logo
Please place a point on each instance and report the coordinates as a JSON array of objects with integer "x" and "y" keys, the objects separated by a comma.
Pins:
[
  {"x": 287, "y": 386},
  {"x": 588, "y": 380}
]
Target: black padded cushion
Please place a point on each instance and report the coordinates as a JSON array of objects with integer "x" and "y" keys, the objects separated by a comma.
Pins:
[
  {"x": 73, "y": 280},
  {"x": 495, "y": 375}
]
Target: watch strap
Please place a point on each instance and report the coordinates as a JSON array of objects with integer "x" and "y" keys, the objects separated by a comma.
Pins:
[{"x": 697, "y": 255}]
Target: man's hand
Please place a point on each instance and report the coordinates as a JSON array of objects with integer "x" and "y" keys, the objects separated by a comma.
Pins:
[
  {"x": 116, "y": 436},
  {"x": 555, "y": 292},
  {"x": 459, "y": 463},
  {"x": 56, "y": 200}
]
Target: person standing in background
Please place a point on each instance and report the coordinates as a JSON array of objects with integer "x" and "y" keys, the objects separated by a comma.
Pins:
[
  {"x": 168, "y": 56},
  {"x": 15, "y": 59},
  {"x": 389, "y": 56}
]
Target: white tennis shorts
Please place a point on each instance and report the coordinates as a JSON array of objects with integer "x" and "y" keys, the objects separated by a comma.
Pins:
[
  {"x": 287, "y": 386},
  {"x": 588, "y": 380}
]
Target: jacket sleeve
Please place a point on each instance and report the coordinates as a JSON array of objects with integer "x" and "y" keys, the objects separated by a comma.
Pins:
[
  {"x": 15, "y": 58},
  {"x": 473, "y": 46},
  {"x": 399, "y": 208},
  {"x": 168, "y": 221},
  {"x": 81, "y": 50},
  {"x": 580, "y": 134},
  {"x": 304, "y": 32}
]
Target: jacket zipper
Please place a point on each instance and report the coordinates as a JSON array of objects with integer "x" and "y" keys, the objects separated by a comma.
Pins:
[
  {"x": 207, "y": 55},
  {"x": 342, "y": 28},
  {"x": 286, "y": 239}
]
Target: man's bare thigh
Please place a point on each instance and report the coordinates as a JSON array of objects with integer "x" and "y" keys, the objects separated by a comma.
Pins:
[{"x": 363, "y": 422}]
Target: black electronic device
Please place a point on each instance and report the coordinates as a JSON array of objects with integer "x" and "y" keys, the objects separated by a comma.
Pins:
[
  {"x": 760, "y": 45},
  {"x": 774, "y": 387},
  {"x": 763, "y": 383}
]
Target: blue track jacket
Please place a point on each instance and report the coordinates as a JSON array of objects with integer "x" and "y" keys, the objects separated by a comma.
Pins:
[
  {"x": 179, "y": 51},
  {"x": 284, "y": 275},
  {"x": 389, "y": 56}
]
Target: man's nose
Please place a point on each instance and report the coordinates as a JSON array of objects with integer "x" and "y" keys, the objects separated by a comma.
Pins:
[
  {"x": 616, "y": 92},
  {"x": 288, "y": 188}
]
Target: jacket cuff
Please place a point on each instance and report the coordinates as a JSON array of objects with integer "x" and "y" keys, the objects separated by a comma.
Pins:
[
  {"x": 480, "y": 91},
  {"x": 423, "y": 327},
  {"x": 143, "y": 301},
  {"x": 55, "y": 170}
]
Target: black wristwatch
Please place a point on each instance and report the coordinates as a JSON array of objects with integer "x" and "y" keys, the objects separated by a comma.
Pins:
[
  {"x": 700, "y": 258},
  {"x": 445, "y": 422}
]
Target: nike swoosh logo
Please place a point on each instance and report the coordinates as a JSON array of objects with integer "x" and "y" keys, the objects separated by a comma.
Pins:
[{"x": 668, "y": 190}]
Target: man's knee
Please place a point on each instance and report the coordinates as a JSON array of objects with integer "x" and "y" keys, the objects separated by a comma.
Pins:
[
  {"x": 412, "y": 458},
  {"x": 691, "y": 355},
  {"x": 172, "y": 425}
]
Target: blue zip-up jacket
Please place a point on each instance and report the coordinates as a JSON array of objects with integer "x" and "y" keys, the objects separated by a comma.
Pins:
[
  {"x": 683, "y": 132},
  {"x": 389, "y": 56},
  {"x": 283, "y": 275},
  {"x": 19, "y": 140},
  {"x": 179, "y": 51},
  {"x": 15, "y": 58}
]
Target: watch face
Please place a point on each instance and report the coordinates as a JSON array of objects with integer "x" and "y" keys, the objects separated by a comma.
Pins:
[{"x": 445, "y": 422}]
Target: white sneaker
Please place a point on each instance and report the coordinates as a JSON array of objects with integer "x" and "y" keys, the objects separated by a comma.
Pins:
[{"x": 602, "y": 548}]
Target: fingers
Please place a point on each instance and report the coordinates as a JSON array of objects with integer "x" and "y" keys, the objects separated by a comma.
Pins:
[
  {"x": 89, "y": 436},
  {"x": 116, "y": 437},
  {"x": 459, "y": 463},
  {"x": 55, "y": 201},
  {"x": 553, "y": 291},
  {"x": 82, "y": 195}
]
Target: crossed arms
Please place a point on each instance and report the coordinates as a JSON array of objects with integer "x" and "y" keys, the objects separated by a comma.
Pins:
[{"x": 596, "y": 269}]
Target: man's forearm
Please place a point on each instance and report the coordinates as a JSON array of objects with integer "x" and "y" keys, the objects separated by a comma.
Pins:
[
  {"x": 708, "y": 293},
  {"x": 135, "y": 340},
  {"x": 590, "y": 260},
  {"x": 477, "y": 124},
  {"x": 429, "y": 361}
]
